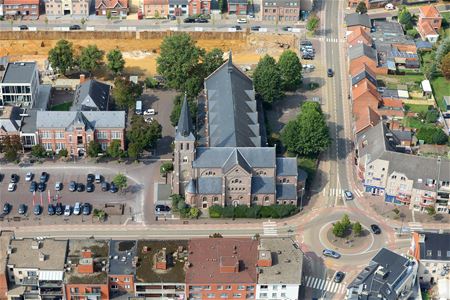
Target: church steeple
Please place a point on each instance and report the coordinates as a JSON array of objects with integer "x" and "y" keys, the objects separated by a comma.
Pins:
[
  {"x": 184, "y": 128},
  {"x": 230, "y": 62}
]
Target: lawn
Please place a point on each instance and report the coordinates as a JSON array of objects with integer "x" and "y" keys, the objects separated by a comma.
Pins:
[
  {"x": 441, "y": 88},
  {"x": 309, "y": 165},
  {"x": 417, "y": 108},
  {"x": 65, "y": 106},
  {"x": 411, "y": 80},
  {"x": 412, "y": 122}
]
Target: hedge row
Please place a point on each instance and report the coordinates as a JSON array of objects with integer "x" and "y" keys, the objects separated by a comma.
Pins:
[{"x": 255, "y": 212}]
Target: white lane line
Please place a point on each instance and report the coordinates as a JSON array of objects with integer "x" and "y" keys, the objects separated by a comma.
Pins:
[
  {"x": 322, "y": 283},
  {"x": 308, "y": 281}
]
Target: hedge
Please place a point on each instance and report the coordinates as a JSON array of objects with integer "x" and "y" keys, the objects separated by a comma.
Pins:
[{"x": 255, "y": 212}]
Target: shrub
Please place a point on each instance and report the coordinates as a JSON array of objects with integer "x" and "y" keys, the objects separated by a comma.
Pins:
[{"x": 215, "y": 211}]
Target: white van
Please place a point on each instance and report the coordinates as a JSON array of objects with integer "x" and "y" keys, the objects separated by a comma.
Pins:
[
  {"x": 138, "y": 109},
  {"x": 77, "y": 208}
]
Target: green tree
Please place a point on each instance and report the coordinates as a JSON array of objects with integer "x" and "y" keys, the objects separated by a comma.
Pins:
[
  {"x": 93, "y": 149},
  {"x": 175, "y": 200},
  {"x": 125, "y": 92},
  {"x": 290, "y": 70},
  {"x": 61, "y": 56},
  {"x": 150, "y": 83},
  {"x": 442, "y": 50},
  {"x": 63, "y": 153},
  {"x": 181, "y": 204},
  {"x": 267, "y": 80},
  {"x": 120, "y": 180},
  {"x": 90, "y": 58},
  {"x": 83, "y": 21},
  {"x": 108, "y": 15},
  {"x": 445, "y": 66},
  {"x": 432, "y": 135},
  {"x": 312, "y": 23},
  {"x": 361, "y": 8},
  {"x": 38, "y": 151},
  {"x": 405, "y": 18},
  {"x": 166, "y": 168},
  {"x": 116, "y": 63},
  {"x": 142, "y": 134},
  {"x": 345, "y": 221},
  {"x": 357, "y": 228},
  {"x": 431, "y": 116},
  {"x": 412, "y": 33},
  {"x": 194, "y": 213},
  {"x": 212, "y": 60},
  {"x": 113, "y": 149},
  {"x": 133, "y": 151},
  {"x": 431, "y": 211},
  {"x": 11, "y": 145},
  {"x": 338, "y": 229}
]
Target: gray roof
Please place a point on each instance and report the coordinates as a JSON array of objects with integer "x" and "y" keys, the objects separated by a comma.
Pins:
[
  {"x": 286, "y": 191},
  {"x": 234, "y": 159},
  {"x": 357, "y": 19},
  {"x": 370, "y": 283},
  {"x": 209, "y": 185},
  {"x": 10, "y": 119},
  {"x": 122, "y": 254},
  {"x": 362, "y": 50},
  {"x": 232, "y": 108},
  {"x": 362, "y": 75},
  {"x": 282, "y": 3},
  {"x": 43, "y": 97},
  {"x": 23, "y": 256},
  {"x": 216, "y": 157},
  {"x": 436, "y": 246},
  {"x": 19, "y": 72},
  {"x": 91, "y": 95},
  {"x": 91, "y": 119},
  {"x": 238, "y": 2},
  {"x": 423, "y": 45},
  {"x": 447, "y": 100},
  {"x": 184, "y": 128},
  {"x": 263, "y": 185},
  {"x": 178, "y": 2},
  {"x": 191, "y": 187},
  {"x": 403, "y": 135},
  {"x": 29, "y": 122},
  {"x": 287, "y": 166}
]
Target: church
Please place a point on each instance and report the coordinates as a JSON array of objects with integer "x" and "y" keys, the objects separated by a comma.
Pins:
[{"x": 226, "y": 161}]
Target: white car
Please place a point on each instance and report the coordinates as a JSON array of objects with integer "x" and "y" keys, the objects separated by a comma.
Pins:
[
  {"x": 67, "y": 210},
  {"x": 149, "y": 112},
  {"x": 58, "y": 186},
  {"x": 308, "y": 67},
  {"x": 11, "y": 187},
  {"x": 242, "y": 21},
  {"x": 29, "y": 176},
  {"x": 389, "y": 6},
  {"x": 77, "y": 208},
  {"x": 148, "y": 120}
]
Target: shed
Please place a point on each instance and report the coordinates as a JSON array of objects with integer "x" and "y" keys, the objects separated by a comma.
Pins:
[{"x": 426, "y": 87}]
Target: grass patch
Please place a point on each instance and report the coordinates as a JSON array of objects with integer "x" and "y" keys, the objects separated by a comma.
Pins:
[
  {"x": 309, "y": 165},
  {"x": 441, "y": 88},
  {"x": 65, "y": 106},
  {"x": 417, "y": 108},
  {"x": 412, "y": 122}
]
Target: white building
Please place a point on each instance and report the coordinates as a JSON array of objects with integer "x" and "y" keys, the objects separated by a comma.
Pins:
[
  {"x": 280, "y": 263},
  {"x": 19, "y": 84}
]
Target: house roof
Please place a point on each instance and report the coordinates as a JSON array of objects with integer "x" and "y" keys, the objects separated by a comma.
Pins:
[
  {"x": 365, "y": 116},
  {"x": 434, "y": 246},
  {"x": 10, "y": 119},
  {"x": 178, "y": 2},
  {"x": 92, "y": 119},
  {"x": 19, "y": 72},
  {"x": 184, "y": 130},
  {"x": 232, "y": 108},
  {"x": 359, "y": 73},
  {"x": 359, "y": 33},
  {"x": 287, "y": 166},
  {"x": 207, "y": 255},
  {"x": 357, "y": 19},
  {"x": 392, "y": 102},
  {"x": 122, "y": 254},
  {"x": 403, "y": 135},
  {"x": 91, "y": 95},
  {"x": 425, "y": 29},
  {"x": 216, "y": 157},
  {"x": 362, "y": 50},
  {"x": 236, "y": 159},
  {"x": 286, "y": 191},
  {"x": 429, "y": 11},
  {"x": 209, "y": 185},
  {"x": 363, "y": 89},
  {"x": 111, "y": 3},
  {"x": 21, "y": 2},
  {"x": 156, "y": 2},
  {"x": 263, "y": 185}
]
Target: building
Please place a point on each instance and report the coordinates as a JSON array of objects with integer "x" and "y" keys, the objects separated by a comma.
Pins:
[
  {"x": 279, "y": 268},
  {"x": 10, "y": 121},
  {"x": 122, "y": 267},
  {"x": 281, "y": 10},
  {"x": 432, "y": 251},
  {"x": 117, "y": 8},
  {"x": 161, "y": 269},
  {"x": 356, "y": 21},
  {"x": 429, "y": 23},
  {"x": 359, "y": 36},
  {"x": 36, "y": 269},
  {"x": 216, "y": 268},
  {"x": 5, "y": 238},
  {"x": 19, "y": 84},
  {"x": 155, "y": 8},
  {"x": 228, "y": 164},
  {"x": 199, "y": 7},
  {"x": 73, "y": 130},
  {"x": 388, "y": 276},
  {"x": 91, "y": 95},
  {"x": 21, "y": 9},
  {"x": 86, "y": 273},
  {"x": 1, "y": 8},
  {"x": 373, "y": 3},
  {"x": 237, "y": 7},
  {"x": 59, "y": 8},
  {"x": 178, "y": 8}
]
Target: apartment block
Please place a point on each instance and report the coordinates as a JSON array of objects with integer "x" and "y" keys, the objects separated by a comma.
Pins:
[
  {"x": 67, "y": 8},
  {"x": 21, "y": 9},
  {"x": 122, "y": 267},
  {"x": 281, "y": 10},
  {"x": 19, "y": 84}
]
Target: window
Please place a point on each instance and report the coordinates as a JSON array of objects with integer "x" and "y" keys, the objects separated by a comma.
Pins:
[
  {"x": 127, "y": 279},
  {"x": 208, "y": 287},
  {"x": 275, "y": 287},
  {"x": 212, "y": 295},
  {"x": 224, "y": 295},
  {"x": 116, "y": 135},
  {"x": 48, "y": 146},
  {"x": 264, "y": 287},
  {"x": 60, "y": 146},
  {"x": 46, "y": 135},
  {"x": 187, "y": 146},
  {"x": 74, "y": 290},
  {"x": 228, "y": 287},
  {"x": 114, "y": 279},
  {"x": 101, "y": 135},
  {"x": 237, "y": 295},
  {"x": 283, "y": 295},
  {"x": 241, "y": 287},
  {"x": 104, "y": 146},
  {"x": 429, "y": 253},
  {"x": 181, "y": 146},
  {"x": 262, "y": 295},
  {"x": 59, "y": 134},
  {"x": 274, "y": 295},
  {"x": 219, "y": 287},
  {"x": 185, "y": 159},
  {"x": 114, "y": 286},
  {"x": 283, "y": 287}
]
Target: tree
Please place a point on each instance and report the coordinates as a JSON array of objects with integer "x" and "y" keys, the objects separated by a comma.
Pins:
[
  {"x": 357, "y": 228},
  {"x": 405, "y": 18},
  {"x": 290, "y": 70},
  {"x": 83, "y": 21},
  {"x": 93, "y": 149},
  {"x": 345, "y": 221},
  {"x": 120, "y": 181},
  {"x": 125, "y": 92},
  {"x": 166, "y": 168},
  {"x": 114, "y": 149},
  {"x": 194, "y": 213},
  {"x": 116, "y": 63},
  {"x": 445, "y": 66},
  {"x": 432, "y": 135},
  {"x": 412, "y": 33},
  {"x": 38, "y": 151},
  {"x": 11, "y": 145},
  {"x": 312, "y": 23},
  {"x": 267, "y": 80},
  {"x": 338, "y": 229},
  {"x": 150, "y": 83},
  {"x": 143, "y": 135},
  {"x": 90, "y": 58},
  {"x": 181, "y": 204},
  {"x": 361, "y": 8},
  {"x": 442, "y": 50},
  {"x": 431, "y": 116},
  {"x": 212, "y": 60},
  {"x": 133, "y": 151},
  {"x": 431, "y": 211},
  {"x": 63, "y": 153},
  {"x": 108, "y": 15},
  {"x": 61, "y": 56}
]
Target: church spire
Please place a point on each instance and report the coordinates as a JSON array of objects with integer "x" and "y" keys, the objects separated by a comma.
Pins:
[
  {"x": 230, "y": 62},
  {"x": 184, "y": 128}
]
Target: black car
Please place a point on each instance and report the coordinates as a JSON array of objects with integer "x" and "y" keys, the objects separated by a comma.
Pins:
[
  {"x": 90, "y": 187},
  {"x": 51, "y": 210},
  {"x": 105, "y": 186},
  {"x": 23, "y": 27},
  {"x": 33, "y": 186},
  {"x": 375, "y": 228},
  {"x": 162, "y": 208},
  {"x": 37, "y": 209},
  {"x": 113, "y": 188},
  {"x": 307, "y": 56},
  {"x": 75, "y": 27},
  {"x": 255, "y": 28},
  {"x": 14, "y": 178},
  {"x": 44, "y": 177},
  {"x": 90, "y": 178},
  {"x": 189, "y": 20},
  {"x": 41, "y": 186},
  {"x": 59, "y": 209},
  {"x": 22, "y": 209},
  {"x": 237, "y": 27},
  {"x": 330, "y": 73},
  {"x": 86, "y": 210},
  {"x": 6, "y": 208},
  {"x": 201, "y": 20},
  {"x": 172, "y": 17},
  {"x": 287, "y": 28},
  {"x": 72, "y": 186},
  {"x": 339, "y": 277},
  {"x": 80, "y": 187}
]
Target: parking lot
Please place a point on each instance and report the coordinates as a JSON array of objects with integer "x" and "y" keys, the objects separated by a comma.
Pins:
[{"x": 97, "y": 198}]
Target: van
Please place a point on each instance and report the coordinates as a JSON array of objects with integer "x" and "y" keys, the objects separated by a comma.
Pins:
[
  {"x": 77, "y": 208},
  {"x": 138, "y": 109},
  {"x": 98, "y": 178}
]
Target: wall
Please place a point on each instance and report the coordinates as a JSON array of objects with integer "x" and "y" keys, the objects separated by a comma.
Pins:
[
  {"x": 87, "y": 288},
  {"x": 278, "y": 291},
  {"x": 215, "y": 291},
  {"x": 3, "y": 285},
  {"x": 123, "y": 283}
]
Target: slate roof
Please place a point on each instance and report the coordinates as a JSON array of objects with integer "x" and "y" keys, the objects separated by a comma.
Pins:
[
  {"x": 121, "y": 255},
  {"x": 286, "y": 191},
  {"x": 238, "y": 2},
  {"x": 10, "y": 119},
  {"x": 209, "y": 185},
  {"x": 357, "y": 19},
  {"x": 234, "y": 159},
  {"x": 178, "y": 2},
  {"x": 91, "y": 95},
  {"x": 263, "y": 185},
  {"x": 232, "y": 108},
  {"x": 435, "y": 247},
  {"x": 365, "y": 72},
  {"x": 287, "y": 166},
  {"x": 216, "y": 157},
  {"x": 29, "y": 122},
  {"x": 191, "y": 187},
  {"x": 19, "y": 72},
  {"x": 362, "y": 50},
  {"x": 93, "y": 119},
  {"x": 184, "y": 130}
]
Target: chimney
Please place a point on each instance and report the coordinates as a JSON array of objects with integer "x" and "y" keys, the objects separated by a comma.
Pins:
[
  {"x": 41, "y": 256},
  {"x": 229, "y": 264},
  {"x": 86, "y": 253},
  {"x": 82, "y": 78}
]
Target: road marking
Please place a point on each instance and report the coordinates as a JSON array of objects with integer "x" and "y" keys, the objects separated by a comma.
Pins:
[
  {"x": 325, "y": 285},
  {"x": 308, "y": 281},
  {"x": 270, "y": 228},
  {"x": 415, "y": 226}
]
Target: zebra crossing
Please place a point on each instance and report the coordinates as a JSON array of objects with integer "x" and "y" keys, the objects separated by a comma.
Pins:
[
  {"x": 333, "y": 192},
  {"x": 270, "y": 228},
  {"x": 415, "y": 226},
  {"x": 334, "y": 40},
  {"x": 324, "y": 285}
]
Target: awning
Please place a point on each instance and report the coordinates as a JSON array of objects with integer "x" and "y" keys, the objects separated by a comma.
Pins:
[{"x": 51, "y": 275}]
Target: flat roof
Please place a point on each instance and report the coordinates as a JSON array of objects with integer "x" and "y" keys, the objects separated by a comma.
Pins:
[
  {"x": 287, "y": 262},
  {"x": 19, "y": 72},
  {"x": 121, "y": 255},
  {"x": 5, "y": 237},
  {"x": 146, "y": 271},
  {"x": 24, "y": 256}
]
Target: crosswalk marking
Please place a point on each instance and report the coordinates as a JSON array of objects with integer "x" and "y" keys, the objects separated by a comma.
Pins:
[
  {"x": 324, "y": 285},
  {"x": 359, "y": 193},
  {"x": 335, "y": 192},
  {"x": 270, "y": 228},
  {"x": 334, "y": 40},
  {"x": 415, "y": 226},
  {"x": 308, "y": 281}
]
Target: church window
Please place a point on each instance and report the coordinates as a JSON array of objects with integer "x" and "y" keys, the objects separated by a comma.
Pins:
[
  {"x": 181, "y": 146},
  {"x": 204, "y": 199},
  {"x": 216, "y": 199},
  {"x": 266, "y": 198},
  {"x": 187, "y": 146},
  {"x": 185, "y": 159}
]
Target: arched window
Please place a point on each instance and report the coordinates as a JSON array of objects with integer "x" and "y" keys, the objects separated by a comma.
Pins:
[
  {"x": 284, "y": 180},
  {"x": 266, "y": 198},
  {"x": 187, "y": 146},
  {"x": 181, "y": 146},
  {"x": 204, "y": 199}
]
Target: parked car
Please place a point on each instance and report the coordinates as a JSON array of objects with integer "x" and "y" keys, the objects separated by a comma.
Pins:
[
  {"x": 37, "y": 209},
  {"x": 11, "y": 187},
  {"x": 90, "y": 178},
  {"x": 1, "y": 177},
  {"x": 375, "y": 228},
  {"x": 23, "y": 27},
  {"x": 44, "y": 177},
  {"x": 51, "y": 210},
  {"x": 189, "y": 20},
  {"x": 148, "y": 120},
  {"x": 14, "y": 178},
  {"x": 172, "y": 17},
  {"x": 75, "y": 27},
  {"x": 67, "y": 210},
  {"x": 348, "y": 195},
  {"x": 287, "y": 28},
  {"x": 59, "y": 209},
  {"x": 255, "y": 28},
  {"x": 201, "y": 20},
  {"x": 98, "y": 178},
  {"x": 90, "y": 187},
  {"x": 33, "y": 186},
  {"x": 29, "y": 176},
  {"x": 237, "y": 27},
  {"x": 105, "y": 186},
  {"x": 242, "y": 21},
  {"x": 308, "y": 68},
  {"x": 58, "y": 186},
  {"x": 80, "y": 187},
  {"x": 77, "y": 208},
  {"x": 162, "y": 208},
  {"x": 307, "y": 56},
  {"x": 41, "y": 186},
  {"x": 330, "y": 72},
  {"x": 389, "y": 6},
  {"x": 86, "y": 209},
  {"x": 113, "y": 188},
  {"x": 6, "y": 208},
  {"x": 22, "y": 209},
  {"x": 339, "y": 276},
  {"x": 149, "y": 112},
  {"x": 305, "y": 43},
  {"x": 331, "y": 253},
  {"x": 72, "y": 186}
]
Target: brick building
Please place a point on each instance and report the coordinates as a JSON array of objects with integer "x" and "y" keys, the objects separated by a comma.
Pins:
[
  {"x": 117, "y": 8},
  {"x": 73, "y": 130},
  {"x": 5, "y": 238},
  {"x": 67, "y": 7},
  {"x": 122, "y": 266},
  {"x": 155, "y": 8},
  {"x": 237, "y": 7},
  {"x": 178, "y": 8},
  {"x": 199, "y": 7},
  {"x": 429, "y": 23},
  {"x": 281, "y": 10},
  {"x": 21, "y": 9}
]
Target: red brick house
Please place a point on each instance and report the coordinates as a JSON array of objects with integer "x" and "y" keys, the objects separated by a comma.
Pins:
[
  {"x": 155, "y": 8},
  {"x": 429, "y": 24},
  {"x": 21, "y": 9},
  {"x": 237, "y": 7},
  {"x": 199, "y": 7},
  {"x": 117, "y": 8}
]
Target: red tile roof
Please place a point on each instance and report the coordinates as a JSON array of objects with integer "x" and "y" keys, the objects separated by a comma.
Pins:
[
  {"x": 156, "y": 2},
  {"x": 364, "y": 89},
  {"x": 392, "y": 102},
  {"x": 425, "y": 29},
  {"x": 208, "y": 255},
  {"x": 366, "y": 117},
  {"x": 358, "y": 34},
  {"x": 429, "y": 11},
  {"x": 18, "y": 2},
  {"x": 358, "y": 68},
  {"x": 111, "y": 3}
]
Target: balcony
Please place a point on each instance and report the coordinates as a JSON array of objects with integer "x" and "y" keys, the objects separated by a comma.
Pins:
[
  {"x": 426, "y": 204},
  {"x": 30, "y": 280},
  {"x": 404, "y": 198},
  {"x": 428, "y": 198}
]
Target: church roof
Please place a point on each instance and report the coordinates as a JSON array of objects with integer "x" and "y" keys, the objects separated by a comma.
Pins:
[
  {"x": 184, "y": 128},
  {"x": 216, "y": 157},
  {"x": 234, "y": 159}
]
